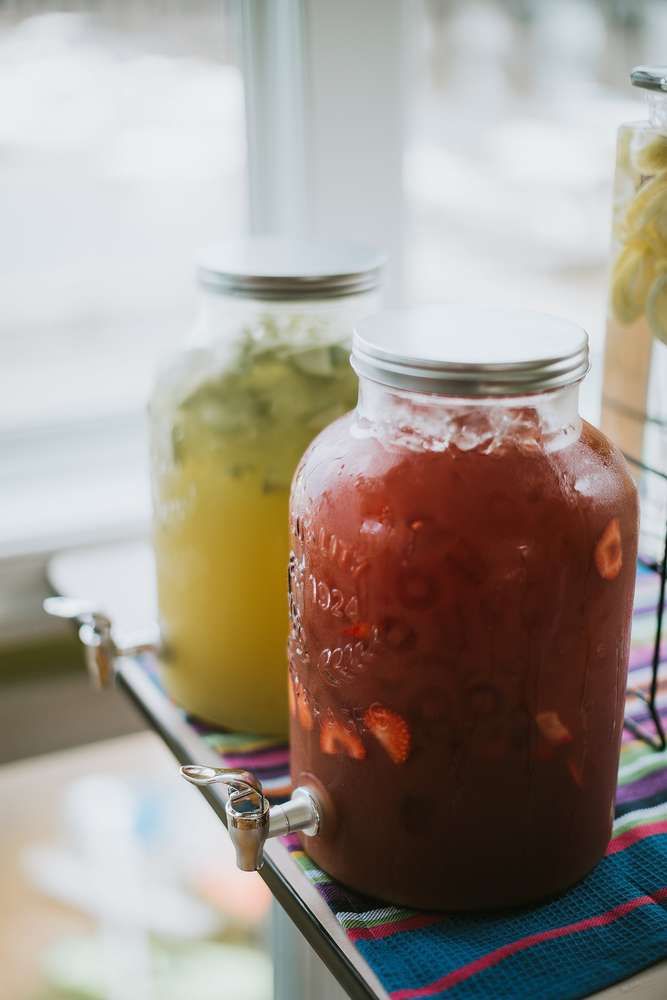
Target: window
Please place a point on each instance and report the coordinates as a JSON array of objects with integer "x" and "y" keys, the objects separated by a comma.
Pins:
[
  {"x": 122, "y": 150},
  {"x": 474, "y": 139}
]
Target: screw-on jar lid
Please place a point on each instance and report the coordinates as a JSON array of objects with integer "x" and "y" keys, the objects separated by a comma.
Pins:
[
  {"x": 649, "y": 77},
  {"x": 468, "y": 350},
  {"x": 268, "y": 268}
]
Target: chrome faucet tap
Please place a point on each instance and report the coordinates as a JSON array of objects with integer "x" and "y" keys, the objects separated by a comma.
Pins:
[
  {"x": 250, "y": 820},
  {"x": 95, "y": 632}
]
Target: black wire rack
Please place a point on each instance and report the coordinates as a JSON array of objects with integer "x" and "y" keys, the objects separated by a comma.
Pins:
[{"x": 652, "y": 485}]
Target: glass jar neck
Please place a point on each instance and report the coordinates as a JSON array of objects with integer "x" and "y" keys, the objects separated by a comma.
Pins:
[
  {"x": 549, "y": 420},
  {"x": 657, "y": 110},
  {"x": 222, "y": 313}
]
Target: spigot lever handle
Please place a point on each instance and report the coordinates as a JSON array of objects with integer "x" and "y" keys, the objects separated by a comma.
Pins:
[
  {"x": 246, "y": 808},
  {"x": 249, "y": 820}
]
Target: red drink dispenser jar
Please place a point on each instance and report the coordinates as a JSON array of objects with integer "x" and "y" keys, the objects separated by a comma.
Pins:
[{"x": 461, "y": 577}]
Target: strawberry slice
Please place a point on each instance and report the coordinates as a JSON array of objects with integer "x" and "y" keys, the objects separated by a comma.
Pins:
[
  {"x": 361, "y": 630},
  {"x": 391, "y": 730},
  {"x": 552, "y": 729},
  {"x": 336, "y": 738},
  {"x": 609, "y": 552}
]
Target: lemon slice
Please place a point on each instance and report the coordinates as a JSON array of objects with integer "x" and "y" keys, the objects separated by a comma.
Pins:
[
  {"x": 633, "y": 273},
  {"x": 652, "y": 158},
  {"x": 656, "y": 307},
  {"x": 646, "y": 204}
]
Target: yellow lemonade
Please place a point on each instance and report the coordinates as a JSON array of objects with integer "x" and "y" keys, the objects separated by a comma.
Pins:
[
  {"x": 221, "y": 574},
  {"x": 224, "y": 448}
]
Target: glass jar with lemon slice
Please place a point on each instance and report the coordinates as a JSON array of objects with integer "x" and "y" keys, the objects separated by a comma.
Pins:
[
  {"x": 266, "y": 368},
  {"x": 635, "y": 400}
]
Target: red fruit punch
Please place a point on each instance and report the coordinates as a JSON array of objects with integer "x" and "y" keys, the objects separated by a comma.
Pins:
[{"x": 483, "y": 654}]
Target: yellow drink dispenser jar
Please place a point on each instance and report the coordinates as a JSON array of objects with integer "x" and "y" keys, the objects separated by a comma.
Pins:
[{"x": 265, "y": 369}]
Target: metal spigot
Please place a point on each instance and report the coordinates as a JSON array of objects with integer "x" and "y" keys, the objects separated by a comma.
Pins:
[
  {"x": 95, "y": 632},
  {"x": 250, "y": 821}
]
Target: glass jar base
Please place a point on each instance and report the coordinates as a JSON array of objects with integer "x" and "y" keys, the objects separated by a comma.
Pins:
[{"x": 440, "y": 887}]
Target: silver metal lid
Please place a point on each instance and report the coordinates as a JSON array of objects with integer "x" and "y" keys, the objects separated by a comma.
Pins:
[
  {"x": 468, "y": 350},
  {"x": 268, "y": 268},
  {"x": 650, "y": 77}
]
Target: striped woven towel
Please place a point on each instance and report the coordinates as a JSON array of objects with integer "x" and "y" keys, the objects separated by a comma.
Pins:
[{"x": 604, "y": 929}]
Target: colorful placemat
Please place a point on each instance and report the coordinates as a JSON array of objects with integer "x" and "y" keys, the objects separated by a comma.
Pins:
[{"x": 606, "y": 928}]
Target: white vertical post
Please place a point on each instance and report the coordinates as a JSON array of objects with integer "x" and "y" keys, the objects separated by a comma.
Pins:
[
  {"x": 355, "y": 58},
  {"x": 272, "y": 50},
  {"x": 325, "y": 103}
]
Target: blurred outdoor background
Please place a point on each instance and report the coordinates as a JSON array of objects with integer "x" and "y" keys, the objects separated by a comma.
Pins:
[{"x": 132, "y": 132}]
